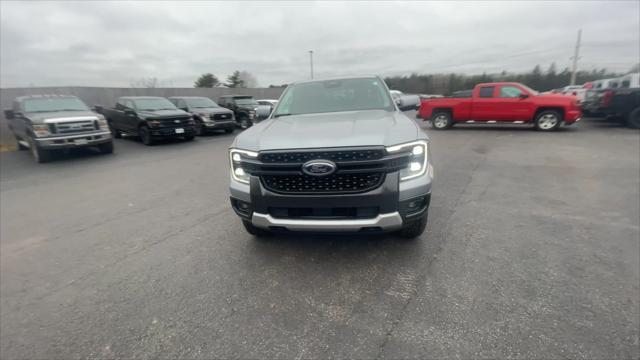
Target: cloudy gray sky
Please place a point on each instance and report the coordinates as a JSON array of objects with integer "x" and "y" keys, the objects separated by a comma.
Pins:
[{"x": 113, "y": 44}]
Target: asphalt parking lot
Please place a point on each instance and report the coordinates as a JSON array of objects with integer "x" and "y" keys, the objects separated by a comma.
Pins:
[{"x": 532, "y": 251}]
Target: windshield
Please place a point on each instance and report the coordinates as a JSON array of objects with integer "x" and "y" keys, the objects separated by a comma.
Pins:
[
  {"x": 154, "y": 104},
  {"x": 335, "y": 95},
  {"x": 54, "y": 104},
  {"x": 199, "y": 103},
  {"x": 246, "y": 101}
]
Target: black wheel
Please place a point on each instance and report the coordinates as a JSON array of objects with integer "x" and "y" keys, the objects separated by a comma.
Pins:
[
  {"x": 189, "y": 138},
  {"x": 633, "y": 119},
  {"x": 39, "y": 155},
  {"x": 20, "y": 146},
  {"x": 255, "y": 231},
  {"x": 228, "y": 131},
  {"x": 245, "y": 123},
  {"x": 441, "y": 120},
  {"x": 106, "y": 148},
  {"x": 116, "y": 134},
  {"x": 145, "y": 136},
  {"x": 547, "y": 120},
  {"x": 415, "y": 228},
  {"x": 200, "y": 129}
]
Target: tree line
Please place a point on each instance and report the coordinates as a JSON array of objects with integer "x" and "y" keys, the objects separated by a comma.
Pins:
[
  {"x": 536, "y": 79},
  {"x": 238, "y": 79}
]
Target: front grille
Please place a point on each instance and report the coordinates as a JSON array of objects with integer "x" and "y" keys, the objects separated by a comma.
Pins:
[
  {"x": 174, "y": 122},
  {"x": 75, "y": 127},
  {"x": 357, "y": 170},
  {"x": 219, "y": 117},
  {"x": 334, "y": 183},
  {"x": 335, "y": 156}
]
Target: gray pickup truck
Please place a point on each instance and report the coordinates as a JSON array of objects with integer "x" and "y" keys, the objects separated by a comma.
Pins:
[
  {"x": 335, "y": 155},
  {"x": 45, "y": 123}
]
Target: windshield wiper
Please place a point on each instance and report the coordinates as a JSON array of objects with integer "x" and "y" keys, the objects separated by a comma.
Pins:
[{"x": 278, "y": 115}]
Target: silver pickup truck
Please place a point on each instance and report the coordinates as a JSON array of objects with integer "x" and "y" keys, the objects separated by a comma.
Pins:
[
  {"x": 334, "y": 156},
  {"x": 45, "y": 123}
]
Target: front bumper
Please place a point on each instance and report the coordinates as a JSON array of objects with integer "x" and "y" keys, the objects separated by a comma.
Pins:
[
  {"x": 170, "y": 132},
  {"x": 572, "y": 116},
  {"x": 396, "y": 203},
  {"x": 72, "y": 141},
  {"x": 218, "y": 125}
]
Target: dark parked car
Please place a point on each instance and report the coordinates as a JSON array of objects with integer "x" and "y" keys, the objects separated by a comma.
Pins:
[
  {"x": 45, "y": 123},
  {"x": 150, "y": 118},
  {"x": 208, "y": 115},
  {"x": 621, "y": 103},
  {"x": 243, "y": 106}
]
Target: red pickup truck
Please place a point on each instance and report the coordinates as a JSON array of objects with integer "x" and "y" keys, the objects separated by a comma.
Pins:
[{"x": 501, "y": 102}]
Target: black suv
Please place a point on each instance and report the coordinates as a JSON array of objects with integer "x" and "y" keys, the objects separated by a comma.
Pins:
[
  {"x": 243, "y": 106},
  {"x": 150, "y": 118}
]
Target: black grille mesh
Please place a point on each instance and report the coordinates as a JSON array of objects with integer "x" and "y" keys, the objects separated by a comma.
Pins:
[
  {"x": 334, "y": 183},
  {"x": 336, "y": 156}
]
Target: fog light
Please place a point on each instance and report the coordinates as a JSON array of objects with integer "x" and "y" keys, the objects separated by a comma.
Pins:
[
  {"x": 414, "y": 204},
  {"x": 415, "y": 166},
  {"x": 239, "y": 172},
  {"x": 243, "y": 205}
]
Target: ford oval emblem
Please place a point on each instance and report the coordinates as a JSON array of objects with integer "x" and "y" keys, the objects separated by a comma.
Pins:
[{"x": 319, "y": 167}]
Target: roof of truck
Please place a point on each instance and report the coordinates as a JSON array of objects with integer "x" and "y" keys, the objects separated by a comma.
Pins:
[
  {"x": 140, "y": 97},
  {"x": 44, "y": 96}
]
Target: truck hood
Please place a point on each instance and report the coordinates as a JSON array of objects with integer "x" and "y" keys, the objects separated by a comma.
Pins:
[
  {"x": 216, "y": 110},
  {"x": 40, "y": 117},
  {"x": 160, "y": 114},
  {"x": 351, "y": 128}
]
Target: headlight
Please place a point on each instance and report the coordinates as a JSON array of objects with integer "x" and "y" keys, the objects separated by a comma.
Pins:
[
  {"x": 153, "y": 123},
  {"x": 41, "y": 130},
  {"x": 418, "y": 162},
  {"x": 204, "y": 117},
  {"x": 103, "y": 124},
  {"x": 237, "y": 172}
]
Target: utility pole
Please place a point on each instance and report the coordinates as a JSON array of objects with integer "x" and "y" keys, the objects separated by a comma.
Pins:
[
  {"x": 575, "y": 58},
  {"x": 311, "y": 62}
]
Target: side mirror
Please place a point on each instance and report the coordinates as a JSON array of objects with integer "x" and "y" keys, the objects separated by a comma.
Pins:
[
  {"x": 524, "y": 96},
  {"x": 98, "y": 109},
  {"x": 184, "y": 109},
  {"x": 9, "y": 114},
  {"x": 408, "y": 102},
  {"x": 129, "y": 112},
  {"x": 263, "y": 111}
]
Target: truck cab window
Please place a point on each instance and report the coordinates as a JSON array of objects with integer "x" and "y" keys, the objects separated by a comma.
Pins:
[
  {"x": 486, "y": 91},
  {"x": 509, "y": 92}
]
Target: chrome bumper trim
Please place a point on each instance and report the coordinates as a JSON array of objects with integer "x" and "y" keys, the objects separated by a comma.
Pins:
[
  {"x": 78, "y": 136},
  {"x": 388, "y": 221}
]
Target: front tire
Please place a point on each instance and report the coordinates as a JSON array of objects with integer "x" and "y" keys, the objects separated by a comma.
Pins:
[
  {"x": 20, "y": 146},
  {"x": 633, "y": 119},
  {"x": 228, "y": 131},
  {"x": 441, "y": 120},
  {"x": 116, "y": 134},
  {"x": 39, "y": 155},
  {"x": 548, "y": 120},
  {"x": 189, "y": 138},
  {"x": 255, "y": 231},
  {"x": 145, "y": 136},
  {"x": 106, "y": 148},
  {"x": 245, "y": 123},
  {"x": 415, "y": 228}
]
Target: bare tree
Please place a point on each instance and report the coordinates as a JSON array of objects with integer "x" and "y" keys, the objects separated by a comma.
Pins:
[
  {"x": 248, "y": 80},
  {"x": 151, "y": 82}
]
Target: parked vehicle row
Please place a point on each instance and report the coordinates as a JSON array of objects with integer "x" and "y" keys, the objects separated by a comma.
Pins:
[
  {"x": 501, "y": 102},
  {"x": 617, "y": 99},
  {"x": 45, "y": 123}
]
